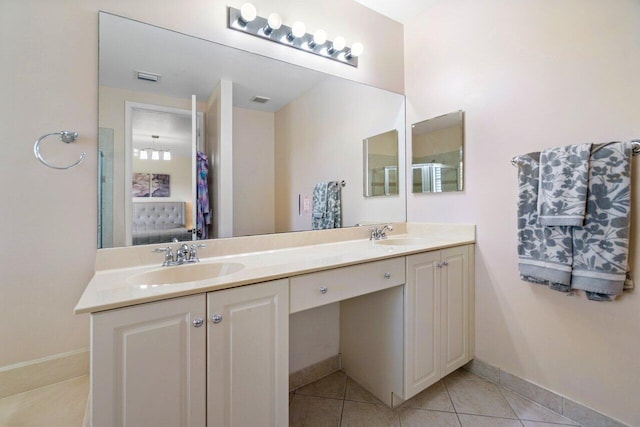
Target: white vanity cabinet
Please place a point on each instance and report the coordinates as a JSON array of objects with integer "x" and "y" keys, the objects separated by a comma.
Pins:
[
  {"x": 148, "y": 364},
  {"x": 248, "y": 356},
  {"x": 216, "y": 359},
  {"x": 221, "y": 358},
  {"x": 439, "y": 315}
]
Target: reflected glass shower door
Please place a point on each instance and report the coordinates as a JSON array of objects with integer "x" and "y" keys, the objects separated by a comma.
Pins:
[{"x": 105, "y": 188}]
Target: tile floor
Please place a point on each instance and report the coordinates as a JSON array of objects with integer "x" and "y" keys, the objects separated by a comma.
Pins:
[
  {"x": 462, "y": 399},
  {"x": 57, "y": 405}
]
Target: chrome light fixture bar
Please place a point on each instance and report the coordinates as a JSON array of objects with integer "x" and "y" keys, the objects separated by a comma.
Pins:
[{"x": 295, "y": 36}]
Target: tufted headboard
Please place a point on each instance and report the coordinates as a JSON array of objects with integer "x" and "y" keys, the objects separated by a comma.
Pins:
[{"x": 158, "y": 222}]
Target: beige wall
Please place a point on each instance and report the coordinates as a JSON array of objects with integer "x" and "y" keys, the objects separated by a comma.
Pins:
[
  {"x": 529, "y": 75},
  {"x": 436, "y": 142},
  {"x": 324, "y": 149},
  {"x": 253, "y": 172},
  {"x": 48, "y": 217}
]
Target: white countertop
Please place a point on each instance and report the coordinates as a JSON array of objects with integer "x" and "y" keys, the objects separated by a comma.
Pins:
[{"x": 110, "y": 288}]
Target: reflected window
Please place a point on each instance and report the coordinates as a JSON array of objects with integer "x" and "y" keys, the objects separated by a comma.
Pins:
[{"x": 381, "y": 164}]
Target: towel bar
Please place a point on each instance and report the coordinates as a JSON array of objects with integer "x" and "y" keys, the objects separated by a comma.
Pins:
[{"x": 635, "y": 149}]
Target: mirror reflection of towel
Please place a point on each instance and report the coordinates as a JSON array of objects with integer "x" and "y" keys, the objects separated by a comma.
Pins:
[{"x": 326, "y": 211}]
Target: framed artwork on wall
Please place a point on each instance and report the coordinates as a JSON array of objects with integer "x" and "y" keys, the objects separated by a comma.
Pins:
[
  {"x": 140, "y": 184},
  {"x": 160, "y": 185}
]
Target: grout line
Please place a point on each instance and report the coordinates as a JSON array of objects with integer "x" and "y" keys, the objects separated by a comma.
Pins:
[
  {"x": 319, "y": 397},
  {"x": 446, "y": 388},
  {"x": 533, "y": 402},
  {"x": 493, "y": 416},
  {"x": 344, "y": 396},
  {"x": 500, "y": 389},
  {"x": 455, "y": 411}
]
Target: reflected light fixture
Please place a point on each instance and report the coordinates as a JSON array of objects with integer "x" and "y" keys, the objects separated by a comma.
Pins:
[
  {"x": 155, "y": 155},
  {"x": 155, "y": 152},
  {"x": 247, "y": 20}
]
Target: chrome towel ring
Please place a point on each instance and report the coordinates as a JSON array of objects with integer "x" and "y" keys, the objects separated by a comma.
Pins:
[{"x": 65, "y": 136}]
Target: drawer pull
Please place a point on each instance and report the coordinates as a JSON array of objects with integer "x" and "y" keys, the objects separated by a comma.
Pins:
[
  {"x": 323, "y": 290},
  {"x": 387, "y": 275}
]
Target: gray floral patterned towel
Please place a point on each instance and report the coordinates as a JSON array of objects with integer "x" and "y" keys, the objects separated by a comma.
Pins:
[
  {"x": 600, "y": 247},
  {"x": 544, "y": 253},
  {"x": 562, "y": 195},
  {"x": 326, "y": 211}
]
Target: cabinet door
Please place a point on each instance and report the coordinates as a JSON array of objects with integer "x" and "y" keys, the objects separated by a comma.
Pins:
[
  {"x": 248, "y": 351},
  {"x": 455, "y": 309},
  {"x": 422, "y": 322},
  {"x": 148, "y": 365}
]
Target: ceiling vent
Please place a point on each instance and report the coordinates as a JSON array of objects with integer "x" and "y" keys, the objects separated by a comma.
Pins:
[
  {"x": 260, "y": 99},
  {"x": 149, "y": 77}
]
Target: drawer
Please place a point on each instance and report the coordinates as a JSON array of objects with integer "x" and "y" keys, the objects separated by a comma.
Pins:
[{"x": 316, "y": 289}]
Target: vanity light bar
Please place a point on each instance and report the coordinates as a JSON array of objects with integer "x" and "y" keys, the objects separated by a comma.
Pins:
[{"x": 295, "y": 36}]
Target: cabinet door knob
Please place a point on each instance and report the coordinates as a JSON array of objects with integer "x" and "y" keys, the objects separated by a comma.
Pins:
[
  {"x": 197, "y": 322},
  {"x": 438, "y": 265},
  {"x": 216, "y": 318},
  {"x": 387, "y": 275},
  {"x": 323, "y": 290},
  {"x": 445, "y": 263}
]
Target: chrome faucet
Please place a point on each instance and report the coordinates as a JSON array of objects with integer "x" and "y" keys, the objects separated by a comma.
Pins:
[
  {"x": 378, "y": 233},
  {"x": 184, "y": 254}
]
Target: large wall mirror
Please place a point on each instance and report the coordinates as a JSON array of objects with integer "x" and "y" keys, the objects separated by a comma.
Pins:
[
  {"x": 200, "y": 140},
  {"x": 437, "y": 154}
]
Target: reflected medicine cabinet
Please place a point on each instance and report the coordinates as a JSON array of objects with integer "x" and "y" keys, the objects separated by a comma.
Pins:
[{"x": 437, "y": 154}]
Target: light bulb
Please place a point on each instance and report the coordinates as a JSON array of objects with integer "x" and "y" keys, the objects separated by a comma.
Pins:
[
  {"x": 144, "y": 155},
  {"x": 298, "y": 29},
  {"x": 155, "y": 155},
  {"x": 339, "y": 43},
  {"x": 274, "y": 21},
  {"x": 356, "y": 50},
  {"x": 320, "y": 37},
  {"x": 248, "y": 13},
  {"x": 166, "y": 155}
]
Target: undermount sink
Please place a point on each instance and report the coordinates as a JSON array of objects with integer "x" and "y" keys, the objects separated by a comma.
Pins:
[
  {"x": 402, "y": 241},
  {"x": 185, "y": 273}
]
